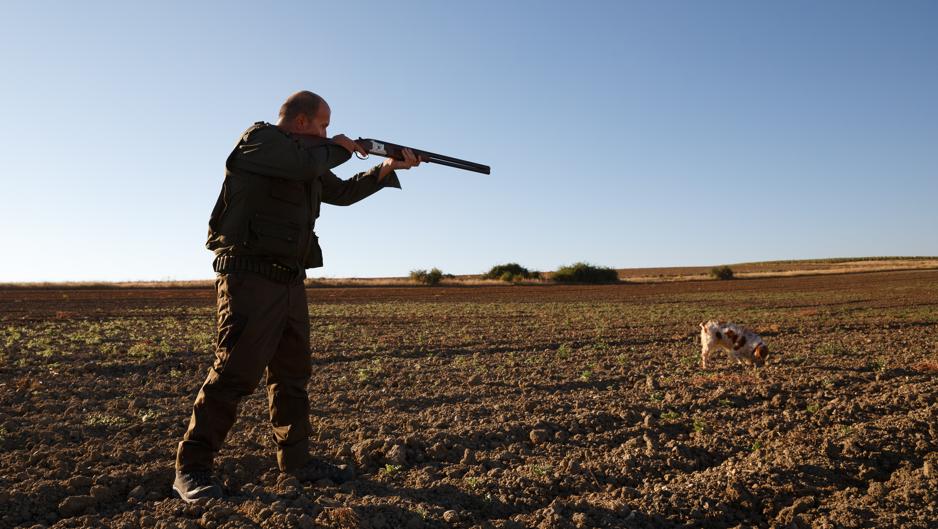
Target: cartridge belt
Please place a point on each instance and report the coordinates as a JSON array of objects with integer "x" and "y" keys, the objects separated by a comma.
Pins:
[{"x": 276, "y": 272}]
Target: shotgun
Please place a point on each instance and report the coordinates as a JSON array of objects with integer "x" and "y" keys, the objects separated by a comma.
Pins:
[{"x": 395, "y": 151}]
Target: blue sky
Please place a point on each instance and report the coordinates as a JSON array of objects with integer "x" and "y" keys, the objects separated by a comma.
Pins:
[{"x": 620, "y": 133}]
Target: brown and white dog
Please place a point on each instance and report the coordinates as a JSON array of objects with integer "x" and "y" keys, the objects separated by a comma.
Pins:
[{"x": 741, "y": 343}]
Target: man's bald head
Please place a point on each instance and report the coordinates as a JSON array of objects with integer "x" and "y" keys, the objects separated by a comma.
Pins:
[{"x": 303, "y": 103}]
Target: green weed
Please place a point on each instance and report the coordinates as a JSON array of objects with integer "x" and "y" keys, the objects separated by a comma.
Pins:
[
  {"x": 832, "y": 349},
  {"x": 587, "y": 373},
  {"x": 563, "y": 352},
  {"x": 391, "y": 470},
  {"x": 103, "y": 419}
]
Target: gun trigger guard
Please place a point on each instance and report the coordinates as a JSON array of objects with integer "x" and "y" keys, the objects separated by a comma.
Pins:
[{"x": 360, "y": 157}]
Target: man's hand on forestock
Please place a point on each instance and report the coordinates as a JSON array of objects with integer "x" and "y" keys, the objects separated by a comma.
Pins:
[{"x": 390, "y": 164}]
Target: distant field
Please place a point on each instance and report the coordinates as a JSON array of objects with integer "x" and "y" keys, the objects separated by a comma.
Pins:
[
  {"x": 783, "y": 268},
  {"x": 840, "y": 265},
  {"x": 496, "y": 406}
]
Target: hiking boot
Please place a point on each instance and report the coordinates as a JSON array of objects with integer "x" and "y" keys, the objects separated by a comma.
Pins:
[
  {"x": 194, "y": 486},
  {"x": 316, "y": 469}
]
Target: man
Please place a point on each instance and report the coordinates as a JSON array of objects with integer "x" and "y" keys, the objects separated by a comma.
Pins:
[{"x": 261, "y": 231}]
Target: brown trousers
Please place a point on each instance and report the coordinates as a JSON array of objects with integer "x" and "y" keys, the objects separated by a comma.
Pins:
[{"x": 263, "y": 326}]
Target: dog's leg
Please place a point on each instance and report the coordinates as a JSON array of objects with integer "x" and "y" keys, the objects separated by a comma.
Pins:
[{"x": 733, "y": 355}]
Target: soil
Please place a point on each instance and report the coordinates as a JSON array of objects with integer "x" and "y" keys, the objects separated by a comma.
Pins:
[{"x": 492, "y": 406}]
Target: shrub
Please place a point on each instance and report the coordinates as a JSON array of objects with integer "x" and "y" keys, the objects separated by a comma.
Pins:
[
  {"x": 510, "y": 272},
  {"x": 430, "y": 278},
  {"x": 585, "y": 273},
  {"x": 721, "y": 272}
]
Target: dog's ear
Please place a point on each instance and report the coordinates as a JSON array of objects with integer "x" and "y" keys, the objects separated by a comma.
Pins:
[{"x": 761, "y": 352}]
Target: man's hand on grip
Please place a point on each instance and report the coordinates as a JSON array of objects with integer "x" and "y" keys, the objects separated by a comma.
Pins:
[{"x": 345, "y": 142}]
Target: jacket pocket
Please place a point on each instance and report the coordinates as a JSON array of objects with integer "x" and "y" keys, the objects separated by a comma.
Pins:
[
  {"x": 273, "y": 236},
  {"x": 313, "y": 253}
]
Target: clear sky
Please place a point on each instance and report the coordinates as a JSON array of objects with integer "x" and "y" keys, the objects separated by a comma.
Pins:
[{"x": 621, "y": 133}]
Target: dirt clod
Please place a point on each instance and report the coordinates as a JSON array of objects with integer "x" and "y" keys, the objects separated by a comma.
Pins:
[
  {"x": 651, "y": 382},
  {"x": 539, "y": 436},
  {"x": 75, "y": 505},
  {"x": 137, "y": 492},
  {"x": 396, "y": 455}
]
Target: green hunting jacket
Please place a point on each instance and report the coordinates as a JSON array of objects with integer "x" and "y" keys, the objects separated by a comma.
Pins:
[{"x": 274, "y": 185}]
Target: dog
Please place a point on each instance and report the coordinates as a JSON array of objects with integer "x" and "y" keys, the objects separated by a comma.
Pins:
[{"x": 741, "y": 343}]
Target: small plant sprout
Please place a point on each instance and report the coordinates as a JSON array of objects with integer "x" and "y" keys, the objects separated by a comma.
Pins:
[
  {"x": 363, "y": 375},
  {"x": 879, "y": 364},
  {"x": 587, "y": 373},
  {"x": 563, "y": 352}
]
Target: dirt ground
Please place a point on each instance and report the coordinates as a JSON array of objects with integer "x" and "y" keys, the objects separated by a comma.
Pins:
[{"x": 492, "y": 406}]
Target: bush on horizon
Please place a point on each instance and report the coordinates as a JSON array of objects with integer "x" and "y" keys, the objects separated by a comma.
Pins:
[
  {"x": 431, "y": 278},
  {"x": 585, "y": 273},
  {"x": 510, "y": 272},
  {"x": 722, "y": 273}
]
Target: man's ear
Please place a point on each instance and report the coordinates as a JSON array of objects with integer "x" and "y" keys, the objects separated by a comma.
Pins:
[{"x": 300, "y": 122}]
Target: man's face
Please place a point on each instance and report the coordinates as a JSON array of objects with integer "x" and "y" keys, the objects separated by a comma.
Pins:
[{"x": 319, "y": 123}]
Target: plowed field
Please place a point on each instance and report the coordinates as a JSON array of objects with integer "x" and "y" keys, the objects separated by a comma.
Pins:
[{"x": 515, "y": 406}]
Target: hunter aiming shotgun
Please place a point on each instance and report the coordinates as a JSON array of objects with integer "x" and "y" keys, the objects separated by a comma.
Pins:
[
  {"x": 262, "y": 232},
  {"x": 395, "y": 151}
]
